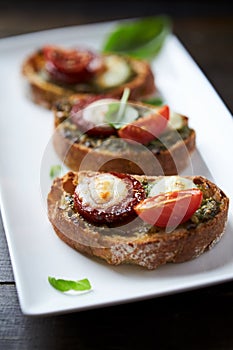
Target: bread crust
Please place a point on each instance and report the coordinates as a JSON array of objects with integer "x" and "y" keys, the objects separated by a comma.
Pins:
[
  {"x": 145, "y": 248},
  {"x": 46, "y": 93},
  {"x": 168, "y": 162}
]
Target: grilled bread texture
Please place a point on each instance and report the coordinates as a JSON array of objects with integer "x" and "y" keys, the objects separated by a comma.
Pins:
[{"x": 137, "y": 242}]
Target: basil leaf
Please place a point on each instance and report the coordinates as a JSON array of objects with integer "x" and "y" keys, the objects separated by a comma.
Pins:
[
  {"x": 123, "y": 105},
  {"x": 142, "y": 38},
  {"x": 116, "y": 110},
  {"x": 111, "y": 114},
  {"x": 66, "y": 285},
  {"x": 155, "y": 101},
  {"x": 121, "y": 113},
  {"x": 55, "y": 171}
]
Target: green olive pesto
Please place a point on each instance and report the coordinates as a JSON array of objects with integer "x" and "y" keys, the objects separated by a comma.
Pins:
[
  {"x": 147, "y": 186},
  {"x": 168, "y": 139},
  {"x": 208, "y": 210},
  {"x": 113, "y": 143}
]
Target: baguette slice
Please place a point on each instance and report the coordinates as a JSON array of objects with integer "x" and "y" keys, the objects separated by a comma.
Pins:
[
  {"x": 115, "y": 154},
  {"x": 136, "y": 243},
  {"x": 46, "y": 92}
]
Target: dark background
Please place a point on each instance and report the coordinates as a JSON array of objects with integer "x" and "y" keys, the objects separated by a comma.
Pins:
[
  {"x": 106, "y": 10},
  {"x": 198, "y": 319},
  {"x": 204, "y": 27}
]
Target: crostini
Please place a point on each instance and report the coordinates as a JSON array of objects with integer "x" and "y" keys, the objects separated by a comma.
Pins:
[
  {"x": 140, "y": 220},
  {"x": 54, "y": 72},
  {"x": 96, "y": 133}
]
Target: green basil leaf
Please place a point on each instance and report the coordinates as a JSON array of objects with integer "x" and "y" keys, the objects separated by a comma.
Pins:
[
  {"x": 55, "y": 171},
  {"x": 66, "y": 285},
  {"x": 155, "y": 101},
  {"x": 116, "y": 110},
  {"x": 141, "y": 38},
  {"x": 130, "y": 114},
  {"x": 111, "y": 114},
  {"x": 121, "y": 113}
]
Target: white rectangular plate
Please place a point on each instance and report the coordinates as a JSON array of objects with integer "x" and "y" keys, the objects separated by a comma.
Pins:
[{"x": 25, "y": 130}]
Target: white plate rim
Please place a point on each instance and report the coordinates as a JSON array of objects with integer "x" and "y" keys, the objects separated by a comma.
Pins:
[{"x": 25, "y": 40}]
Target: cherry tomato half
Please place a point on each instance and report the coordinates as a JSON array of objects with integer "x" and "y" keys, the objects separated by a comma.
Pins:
[
  {"x": 71, "y": 65},
  {"x": 146, "y": 129},
  {"x": 171, "y": 208}
]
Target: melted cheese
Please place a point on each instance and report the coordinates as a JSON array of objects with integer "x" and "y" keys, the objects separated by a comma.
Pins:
[
  {"x": 101, "y": 191},
  {"x": 117, "y": 72},
  {"x": 171, "y": 184},
  {"x": 175, "y": 120},
  {"x": 95, "y": 112}
]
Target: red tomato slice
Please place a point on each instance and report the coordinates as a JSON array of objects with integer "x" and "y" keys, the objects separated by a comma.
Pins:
[
  {"x": 70, "y": 65},
  {"x": 171, "y": 208},
  {"x": 147, "y": 128}
]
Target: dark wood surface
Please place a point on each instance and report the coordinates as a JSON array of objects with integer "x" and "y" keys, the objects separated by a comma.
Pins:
[{"x": 198, "y": 319}]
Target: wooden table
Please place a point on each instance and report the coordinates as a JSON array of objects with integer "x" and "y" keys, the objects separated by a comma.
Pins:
[{"x": 198, "y": 319}]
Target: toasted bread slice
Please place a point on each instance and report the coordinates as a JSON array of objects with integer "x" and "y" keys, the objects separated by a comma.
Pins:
[
  {"x": 138, "y": 243},
  {"x": 45, "y": 91},
  {"x": 169, "y": 155}
]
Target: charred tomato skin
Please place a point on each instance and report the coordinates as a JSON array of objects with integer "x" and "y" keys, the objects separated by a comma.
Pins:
[
  {"x": 71, "y": 66},
  {"x": 118, "y": 214}
]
